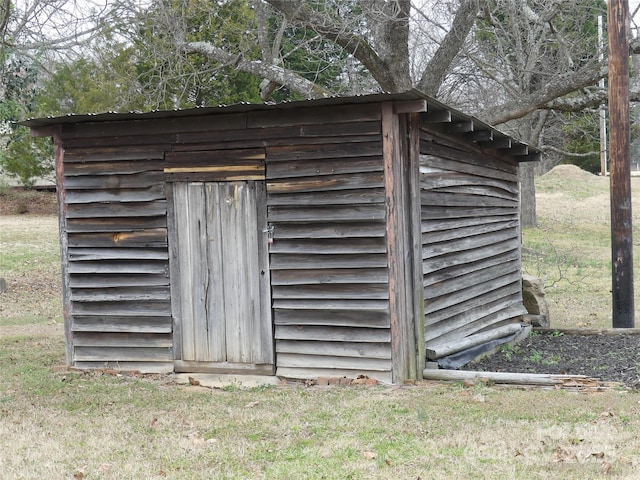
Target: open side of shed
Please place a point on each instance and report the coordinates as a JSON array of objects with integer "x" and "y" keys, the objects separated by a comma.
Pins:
[{"x": 333, "y": 237}]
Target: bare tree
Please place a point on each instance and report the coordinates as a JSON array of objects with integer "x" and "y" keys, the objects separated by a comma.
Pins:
[
  {"x": 515, "y": 60},
  {"x": 512, "y": 63}
]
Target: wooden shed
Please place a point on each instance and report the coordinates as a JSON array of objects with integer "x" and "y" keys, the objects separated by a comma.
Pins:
[{"x": 332, "y": 237}]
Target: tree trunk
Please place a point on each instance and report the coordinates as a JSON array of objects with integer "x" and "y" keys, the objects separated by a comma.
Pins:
[{"x": 527, "y": 195}]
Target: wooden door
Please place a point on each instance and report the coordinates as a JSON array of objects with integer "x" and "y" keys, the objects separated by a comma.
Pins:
[{"x": 223, "y": 294}]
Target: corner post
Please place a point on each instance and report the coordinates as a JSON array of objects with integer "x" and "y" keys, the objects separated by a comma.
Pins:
[{"x": 400, "y": 257}]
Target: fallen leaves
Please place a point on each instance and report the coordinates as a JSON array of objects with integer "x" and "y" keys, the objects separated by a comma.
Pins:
[{"x": 359, "y": 380}]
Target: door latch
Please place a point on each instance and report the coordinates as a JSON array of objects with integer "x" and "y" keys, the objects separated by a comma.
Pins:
[{"x": 269, "y": 231}]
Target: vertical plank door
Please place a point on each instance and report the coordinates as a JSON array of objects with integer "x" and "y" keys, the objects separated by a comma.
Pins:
[{"x": 225, "y": 313}]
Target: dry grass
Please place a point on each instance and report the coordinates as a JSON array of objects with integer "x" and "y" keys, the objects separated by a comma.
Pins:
[
  {"x": 71, "y": 425},
  {"x": 571, "y": 249},
  {"x": 30, "y": 264},
  {"x": 65, "y": 425}
]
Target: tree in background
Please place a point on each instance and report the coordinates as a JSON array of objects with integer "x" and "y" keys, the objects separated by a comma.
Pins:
[
  {"x": 513, "y": 63},
  {"x": 527, "y": 50},
  {"x": 31, "y": 34},
  {"x": 525, "y": 65},
  {"x": 20, "y": 155}
]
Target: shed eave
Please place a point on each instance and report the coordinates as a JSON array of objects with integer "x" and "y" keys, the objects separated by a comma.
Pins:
[{"x": 459, "y": 124}]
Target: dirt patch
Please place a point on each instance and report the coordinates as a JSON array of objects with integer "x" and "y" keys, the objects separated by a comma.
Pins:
[
  {"x": 611, "y": 358},
  {"x": 19, "y": 201}
]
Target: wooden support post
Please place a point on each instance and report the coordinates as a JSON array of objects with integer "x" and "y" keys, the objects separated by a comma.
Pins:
[
  {"x": 64, "y": 250},
  {"x": 400, "y": 257},
  {"x": 619, "y": 165}
]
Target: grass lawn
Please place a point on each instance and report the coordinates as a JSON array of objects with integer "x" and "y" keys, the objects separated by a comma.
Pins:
[
  {"x": 67, "y": 425},
  {"x": 60, "y": 424}
]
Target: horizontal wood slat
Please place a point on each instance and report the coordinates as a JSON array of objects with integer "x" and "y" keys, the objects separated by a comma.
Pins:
[
  {"x": 439, "y": 179},
  {"x": 112, "y": 168},
  {"x": 332, "y": 334},
  {"x": 493, "y": 305},
  {"x": 328, "y": 318},
  {"x": 331, "y": 150},
  {"x": 278, "y": 135},
  {"x": 434, "y": 237},
  {"x": 124, "y": 195},
  {"x": 140, "y": 367},
  {"x": 226, "y": 368},
  {"x": 461, "y": 283},
  {"x": 118, "y": 225},
  {"x": 483, "y": 241},
  {"x": 118, "y": 294},
  {"x": 451, "y": 148},
  {"x": 479, "y": 289},
  {"x": 329, "y": 230},
  {"x": 117, "y": 280},
  {"x": 215, "y": 165},
  {"x": 223, "y": 176},
  {"x": 473, "y": 306},
  {"x": 327, "y": 276},
  {"x": 120, "y": 266},
  {"x": 124, "y": 324},
  {"x": 163, "y": 127},
  {"x": 299, "y": 261},
  {"x": 326, "y": 183},
  {"x": 434, "y": 264},
  {"x": 314, "y": 373},
  {"x": 319, "y": 167},
  {"x": 338, "y": 197},
  {"x": 132, "y": 309},
  {"x": 117, "y": 253},
  {"x": 150, "y": 238},
  {"x": 450, "y": 224},
  {"x": 117, "y": 209},
  {"x": 327, "y": 115},
  {"x": 320, "y": 361},
  {"x": 113, "y": 182},
  {"x": 492, "y": 317},
  {"x": 111, "y": 154},
  {"x": 326, "y": 291},
  {"x": 450, "y": 212},
  {"x": 122, "y": 354},
  {"x": 468, "y": 268},
  {"x": 335, "y": 349},
  {"x": 124, "y": 340},
  {"x": 457, "y": 199},
  {"x": 331, "y": 246},
  {"x": 339, "y": 213},
  {"x": 215, "y": 157}
]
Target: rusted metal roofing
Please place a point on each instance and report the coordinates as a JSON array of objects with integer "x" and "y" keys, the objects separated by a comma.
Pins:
[{"x": 465, "y": 125}]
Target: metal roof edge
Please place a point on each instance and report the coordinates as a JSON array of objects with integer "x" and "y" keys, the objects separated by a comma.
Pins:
[{"x": 524, "y": 152}]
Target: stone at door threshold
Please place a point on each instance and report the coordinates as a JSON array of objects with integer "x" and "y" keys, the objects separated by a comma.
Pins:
[{"x": 214, "y": 380}]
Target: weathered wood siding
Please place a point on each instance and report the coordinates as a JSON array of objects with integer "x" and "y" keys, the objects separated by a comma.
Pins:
[
  {"x": 116, "y": 260},
  {"x": 329, "y": 275},
  {"x": 470, "y": 239},
  {"x": 326, "y": 205}
]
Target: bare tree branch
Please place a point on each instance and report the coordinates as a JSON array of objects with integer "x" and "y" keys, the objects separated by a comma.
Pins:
[
  {"x": 334, "y": 29},
  {"x": 272, "y": 72},
  {"x": 449, "y": 48},
  {"x": 565, "y": 153}
]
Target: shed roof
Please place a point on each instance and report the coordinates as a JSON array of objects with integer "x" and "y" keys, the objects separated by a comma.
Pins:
[{"x": 469, "y": 127}]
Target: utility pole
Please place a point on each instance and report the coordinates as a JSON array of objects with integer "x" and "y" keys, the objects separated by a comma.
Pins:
[{"x": 620, "y": 164}]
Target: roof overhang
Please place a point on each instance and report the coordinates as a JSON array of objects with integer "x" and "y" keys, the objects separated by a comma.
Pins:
[{"x": 455, "y": 123}]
